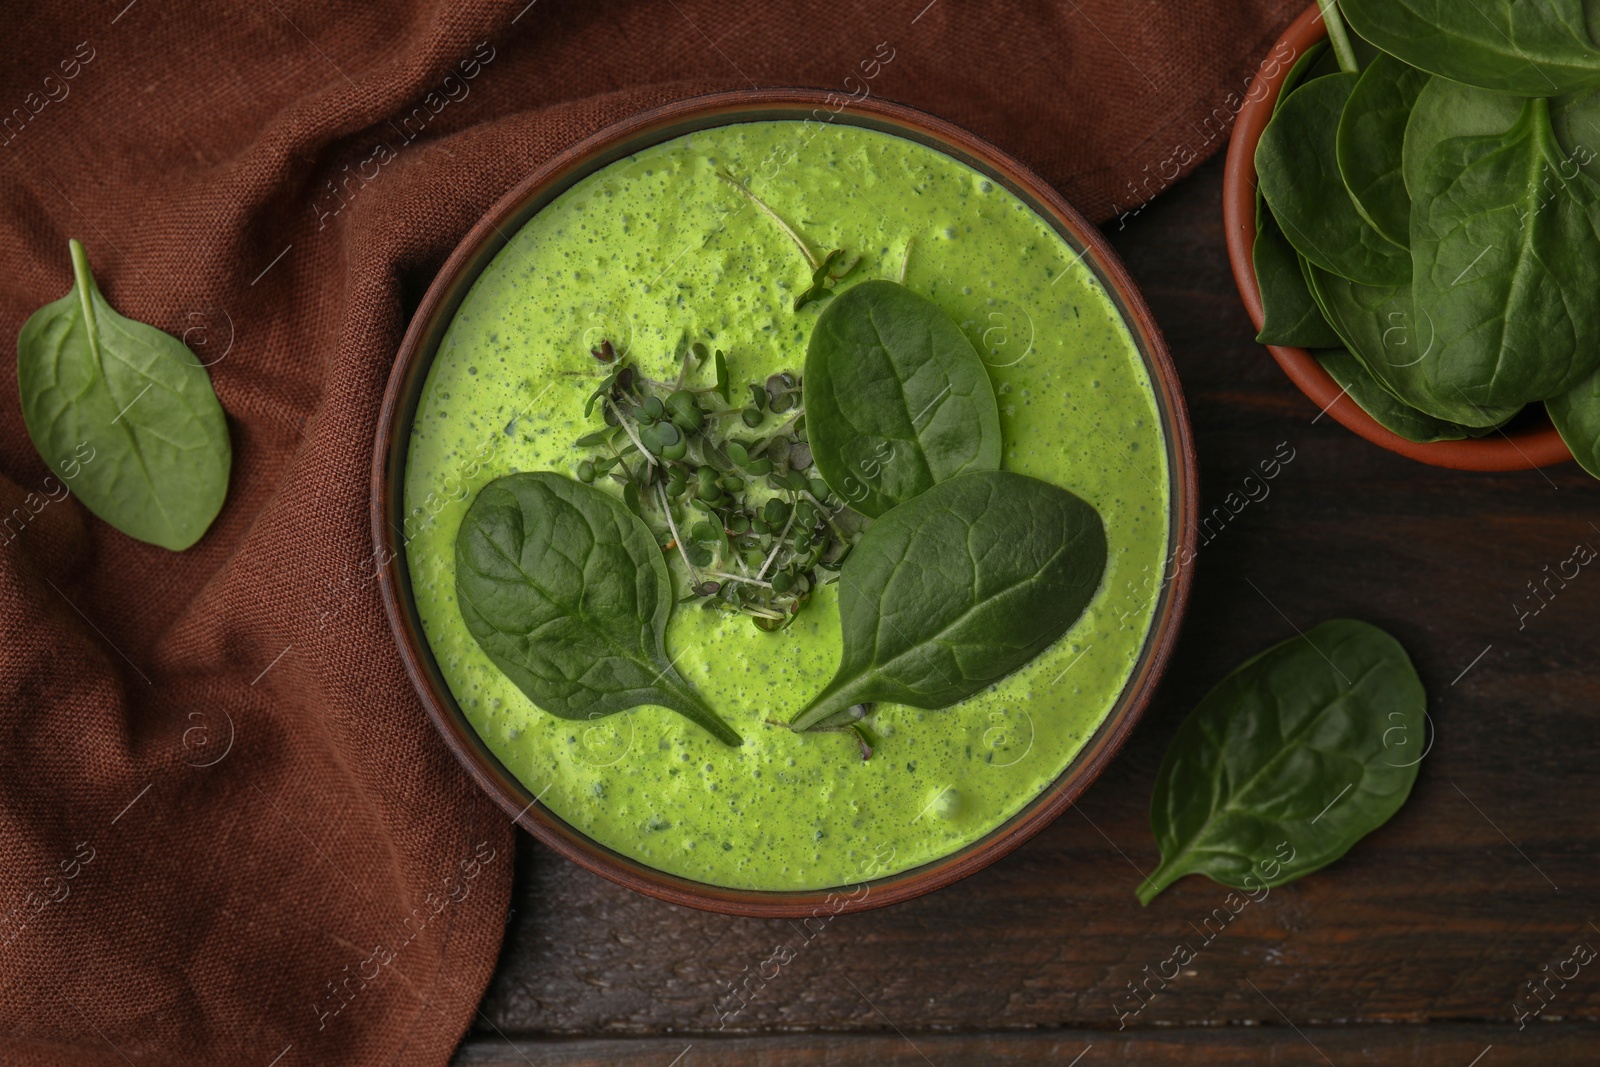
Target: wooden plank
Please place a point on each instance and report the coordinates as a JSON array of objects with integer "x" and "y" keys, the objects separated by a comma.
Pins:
[
  {"x": 1375, "y": 1046},
  {"x": 1442, "y": 915}
]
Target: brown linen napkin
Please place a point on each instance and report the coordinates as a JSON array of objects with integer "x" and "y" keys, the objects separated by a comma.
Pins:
[{"x": 228, "y": 833}]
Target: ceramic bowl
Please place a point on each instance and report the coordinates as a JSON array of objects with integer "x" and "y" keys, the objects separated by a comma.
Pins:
[
  {"x": 1529, "y": 442},
  {"x": 416, "y": 354}
]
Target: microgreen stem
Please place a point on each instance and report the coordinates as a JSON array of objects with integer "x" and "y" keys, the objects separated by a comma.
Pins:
[
  {"x": 842, "y": 719},
  {"x": 666, "y": 508},
  {"x": 865, "y": 740},
  {"x": 697, "y": 390},
  {"x": 1338, "y": 37},
  {"x": 622, "y": 420},
  {"x": 800, "y": 242},
  {"x": 737, "y": 578},
  {"x": 827, "y": 516},
  {"x": 905, "y": 260},
  {"x": 683, "y": 369},
  {"x": 762, "y": 573},
  {"x": 623, "y": 461}
]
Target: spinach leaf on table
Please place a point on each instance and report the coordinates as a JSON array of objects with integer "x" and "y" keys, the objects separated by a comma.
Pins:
[
  {"x": 1298, "y": 169},
  {"x": 1289, "y": 315},
  {"x": 896, "y": 398},
  {"x": 1388, "y": 410},
  {"x": 1577, "y": 417},
  {"x": 1397, "y": 347},
  {"x": 1370, "y": 139},
  {"x": 139, "y": 399},
  {"x": 565, "y": 590},
  {"x": 1507, "y": 264},
  {"x": 947, "y": 594},
  {"x": 1516, "y": 46},
  {"x": 1308, "y": 743}
]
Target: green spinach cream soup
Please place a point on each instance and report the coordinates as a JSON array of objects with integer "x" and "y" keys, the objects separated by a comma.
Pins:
[{"x": 658, "y": 248}]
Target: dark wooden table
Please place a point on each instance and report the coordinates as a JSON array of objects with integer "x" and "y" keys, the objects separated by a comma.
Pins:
[{"x": 1411, "y": 950}]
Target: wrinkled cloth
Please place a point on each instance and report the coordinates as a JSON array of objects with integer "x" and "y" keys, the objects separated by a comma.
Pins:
[{"x": 228, "y": 832}]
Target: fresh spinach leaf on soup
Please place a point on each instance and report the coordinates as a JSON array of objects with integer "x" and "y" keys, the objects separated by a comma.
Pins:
[
  {"x": 564, "y": 589},
  {"x": 896, "y": 398},
  {"x": 957, "y": 588}
]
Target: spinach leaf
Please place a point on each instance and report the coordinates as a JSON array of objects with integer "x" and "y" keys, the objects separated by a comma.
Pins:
[
  {"x": 896, "y": 398},
  {"x": 1397, "y": 347},
  {"x": 1445, "y": 109},
  {"x": 1577, "y": 418},
  {"x": 1576, "y": 120},
  {"x": 1321, "y": 59},
  {"x": 564, "y": 588},
  {"x": 1507, "y": 265},
  {"x": 140, "y": 399},
  {"x": 1310, "y": 743},
  {"x": 1313, "y": 63},
  {"x": 1387, "y": 409},
  {"x": 1533, "y": 49},
  {"x": 1370, "y": 139},
  {"x": 1289, "y": 315},
  {"x": 1298, "y": 169},
  {"x": 955, "y": 589}
]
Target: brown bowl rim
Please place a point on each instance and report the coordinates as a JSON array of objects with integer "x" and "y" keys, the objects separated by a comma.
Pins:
[
  {"x": 1521, "y": 449},
  {"x": 416, "y": 352}
]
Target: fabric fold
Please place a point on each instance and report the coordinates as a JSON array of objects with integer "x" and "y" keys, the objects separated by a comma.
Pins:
[{"x": 228, "y": 832}]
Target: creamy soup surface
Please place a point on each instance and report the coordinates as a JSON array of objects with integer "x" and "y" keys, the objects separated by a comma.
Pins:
[{"x": 656, "y": 248}]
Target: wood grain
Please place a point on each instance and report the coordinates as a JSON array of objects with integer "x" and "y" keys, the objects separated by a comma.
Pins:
[
  {"x": 1375, "y": 1046},
  {"x": 1436, "y": 920}
]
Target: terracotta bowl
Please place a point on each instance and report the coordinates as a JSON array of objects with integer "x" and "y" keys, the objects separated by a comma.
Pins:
[
  {"x": 416, "y": 354},
  {"x": 1531, "y": 441}
]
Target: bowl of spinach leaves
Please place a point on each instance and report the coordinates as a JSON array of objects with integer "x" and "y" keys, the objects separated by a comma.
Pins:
[{"x": 1413, "y": 219}]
